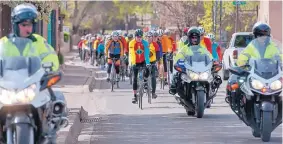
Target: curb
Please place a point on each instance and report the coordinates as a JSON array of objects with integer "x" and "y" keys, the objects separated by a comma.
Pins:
[{"x": 76, "y": 128}]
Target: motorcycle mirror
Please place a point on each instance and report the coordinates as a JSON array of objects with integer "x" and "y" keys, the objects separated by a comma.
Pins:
[{"x": 238, "y": 71}]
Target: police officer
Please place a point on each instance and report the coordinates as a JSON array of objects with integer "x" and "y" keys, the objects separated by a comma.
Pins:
[
  {"x": 261, "y": 47},
  {"x": 23, "y": 20}
]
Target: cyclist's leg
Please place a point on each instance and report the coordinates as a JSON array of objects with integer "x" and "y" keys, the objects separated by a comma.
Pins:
[
  {"x": 92, "y": 56},
  {"x": 153, "y": 79},
  {"x": 117, "y": 66},
  {"x": 127, "y": 64},
  {"x": 171, "y": 64},
  {"x": 96, "y": 57},
  {"x": 165, "y": 67},
  {"x": 135, "y": 83},
  {"x": 109, "y": 67}
]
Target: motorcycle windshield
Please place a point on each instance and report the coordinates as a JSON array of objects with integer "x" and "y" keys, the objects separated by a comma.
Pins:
[
  {"x": 199, "y": 61},
  {"x": 19, "y": 64},
  {"x": 266, "y": 58}
]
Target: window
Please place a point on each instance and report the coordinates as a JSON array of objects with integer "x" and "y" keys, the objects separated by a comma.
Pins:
[{"x": 241, "y": 41}]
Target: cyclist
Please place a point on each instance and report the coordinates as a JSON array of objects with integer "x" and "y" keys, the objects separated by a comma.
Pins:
[
  {"x": 80, "y": 45},
  {"x": 139, "y": 57},
  {"x": 165, "y": 42},
  {"x": 100, "y": 52},
  {"x": 171, "y": 48},
  {"x": 184, "y": 39},
  {"x": 92, "y": 49},
  {"x": 216, "y": 49},
  {"x": 205, "y": 41},
  {"x": 129, "y": 38},
  {"x": 95, "y": 46},
  {"x": 114, "y": 49},
  {"x": 153, "y": 48}
]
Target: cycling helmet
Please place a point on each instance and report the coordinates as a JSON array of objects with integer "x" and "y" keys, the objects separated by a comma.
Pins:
[
  {"x": 149, "y": 34},
  {"x": 193, "y": 32},
  {"x": 261, "y": 29},
  {"x": 211, "y": 36},
  {"x": 155, "y": 33},
  {"x": 167, "y": 31},
  {"x": 130, "y": 36},
  {"x": 201, "y": 29},
  {"x": 114, "y": 33},
  {"x": 119, "y": 32},
  {"x": 139, "y": 33},
  {"x": 22, "y": 13},
  {"x": 160, "y": 32}
]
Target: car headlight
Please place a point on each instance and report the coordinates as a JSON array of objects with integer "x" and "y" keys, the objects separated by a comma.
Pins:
[
  {"x": 276, "y": 85},
  {"x": 204, "y": 76},
  {"x": 193, "y": 75},
  {"x": 256, "y": 84},
  {"x": 24, "y": 96}
]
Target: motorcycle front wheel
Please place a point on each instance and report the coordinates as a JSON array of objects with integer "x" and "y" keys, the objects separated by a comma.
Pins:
[
  {"x": 23, "y": 134},
  {"x": 200, "y": 103},
  {"x": 266, "y": 126}
]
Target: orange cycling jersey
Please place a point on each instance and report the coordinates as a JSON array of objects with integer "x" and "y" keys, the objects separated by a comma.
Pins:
[{"x": 166, "y": 44}]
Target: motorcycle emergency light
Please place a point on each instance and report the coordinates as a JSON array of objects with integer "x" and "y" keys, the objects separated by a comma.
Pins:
[
  {"x": 234, "y": 86},
  {"x": 53, "y": 80},
  {"x": 264, "y": 90}
]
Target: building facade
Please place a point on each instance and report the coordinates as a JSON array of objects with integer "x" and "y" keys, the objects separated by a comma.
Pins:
[
  {"x": 50, "y": 31},
  {"x": 271, "y": 13}
]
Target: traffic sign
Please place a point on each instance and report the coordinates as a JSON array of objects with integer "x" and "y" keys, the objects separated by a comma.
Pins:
[{"x": 238, "y": 2}]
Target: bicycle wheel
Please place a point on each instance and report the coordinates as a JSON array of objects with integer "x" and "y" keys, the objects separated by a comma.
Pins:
[
  {"x": 112, "y": 77},
  {"x": 168, "y": 73},
  {"x": 149, "y": 89}
]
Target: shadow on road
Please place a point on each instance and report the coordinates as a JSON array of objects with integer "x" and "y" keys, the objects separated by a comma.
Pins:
[{"x": 175, "y": 128}]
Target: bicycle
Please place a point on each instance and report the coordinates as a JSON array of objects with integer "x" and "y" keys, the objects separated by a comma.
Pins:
[
  {"x": 101, "y": 61},
  {"x": 169, "y": 57},
  {"x": 141, "y": 84},
  {"x": 113, "y": 75},
  {"x": 131, "y": 74},
  {"x": 123, "y": 69},
  {"x": 161, "y": 73}
]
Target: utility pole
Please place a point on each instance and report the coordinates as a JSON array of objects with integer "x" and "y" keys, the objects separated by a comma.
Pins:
[
  {"x": 220, "y": 22},
  {"x": 237, "y": 18}
]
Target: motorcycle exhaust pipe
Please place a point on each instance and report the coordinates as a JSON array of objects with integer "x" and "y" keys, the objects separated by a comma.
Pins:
[{"x": 58, "y": 108}]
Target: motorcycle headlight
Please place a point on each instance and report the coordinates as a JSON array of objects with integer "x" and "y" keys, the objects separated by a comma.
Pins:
[
  {"x": 276, "y": 85},
  {"x": 193, "y": 75},
  {"x": 204, "y": 76},
  {"x": 24, "y": 96},
  {"x": 256, "y": 84}
]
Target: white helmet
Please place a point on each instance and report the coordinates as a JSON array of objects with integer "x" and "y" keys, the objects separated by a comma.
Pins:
[
  {"x": 82, "y": 38},
  {"x": 160, "y": 32},
  {"x": 119, "y": 32},
  {"x": 167, "y": 31},
  {"x": 211, "y": 36},
  {"x": 201, "y": 29}
]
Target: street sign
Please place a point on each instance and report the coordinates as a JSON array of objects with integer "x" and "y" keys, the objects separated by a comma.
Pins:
[{"x": 238, "y": 2}]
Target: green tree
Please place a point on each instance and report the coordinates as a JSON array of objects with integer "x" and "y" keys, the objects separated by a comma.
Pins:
[{"x": 124, "y": 9}]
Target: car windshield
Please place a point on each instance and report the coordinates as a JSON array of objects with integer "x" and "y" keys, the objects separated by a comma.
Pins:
[{"x": 241, "y": 41}]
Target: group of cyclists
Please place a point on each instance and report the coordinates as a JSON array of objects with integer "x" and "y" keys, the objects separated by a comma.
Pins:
[{"x": 149, "y": 49}]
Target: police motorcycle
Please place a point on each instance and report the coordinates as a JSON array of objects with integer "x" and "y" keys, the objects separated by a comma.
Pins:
[
  {"x": 255, "y": 93},
  {"x": 196, "y": 74},
  {"x": 30, "y": 112}
]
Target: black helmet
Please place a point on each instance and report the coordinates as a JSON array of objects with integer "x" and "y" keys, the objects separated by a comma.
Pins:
[
  {"x": 130, "y": 35},
  {"x": 261, "y": 29},
  {"x": 139, "y": 32},
  {"x": 22, "y": 13},
  {"x": 193, "y": 31}
]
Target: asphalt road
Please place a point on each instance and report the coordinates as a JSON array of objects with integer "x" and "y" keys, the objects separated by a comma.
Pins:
[{"x": 115, "y": 120}]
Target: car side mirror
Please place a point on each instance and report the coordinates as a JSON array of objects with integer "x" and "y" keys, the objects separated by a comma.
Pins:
[{"x": 238, "y": 71}]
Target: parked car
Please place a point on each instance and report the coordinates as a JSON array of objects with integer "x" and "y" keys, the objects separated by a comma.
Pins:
[{"x": 237, "y": 43}]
